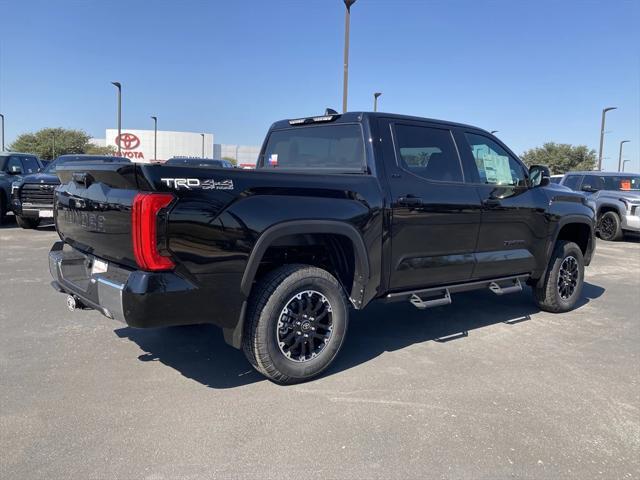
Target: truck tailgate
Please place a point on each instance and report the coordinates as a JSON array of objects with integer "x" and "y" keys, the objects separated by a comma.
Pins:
[{"x": 93, "y": 209}]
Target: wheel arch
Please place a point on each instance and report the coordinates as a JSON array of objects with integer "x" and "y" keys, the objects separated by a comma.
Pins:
[
  {"x": 575, "y": 228},
  {"x": 610, "y": 206},
  {"x": 361, "y": 267}
]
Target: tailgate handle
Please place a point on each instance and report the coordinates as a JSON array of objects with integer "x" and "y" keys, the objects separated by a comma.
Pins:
[{"x": 83, "y": 178}]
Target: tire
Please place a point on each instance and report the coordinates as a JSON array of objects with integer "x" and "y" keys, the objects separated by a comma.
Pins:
[
  {"x": 27, "y": 223},
  {"x": 274, "y": 340},
  {"x": 610, "y": 226},
  {"x": 561, "y": 286}
]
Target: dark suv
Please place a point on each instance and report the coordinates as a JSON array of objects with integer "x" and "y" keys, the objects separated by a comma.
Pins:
[
  {"x": 616, "y": 196},
  {"x": 13, "y": 166}
]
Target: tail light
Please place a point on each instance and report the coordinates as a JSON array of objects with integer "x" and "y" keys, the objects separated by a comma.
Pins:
[{"x": 144, "y": 229}]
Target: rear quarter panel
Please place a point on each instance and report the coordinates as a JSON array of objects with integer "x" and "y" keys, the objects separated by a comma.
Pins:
[{"x": 211, "y": 232}]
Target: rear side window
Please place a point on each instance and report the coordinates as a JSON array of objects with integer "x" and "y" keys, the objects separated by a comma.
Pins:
[
  {"x": 327, "y": 147},
  {"x": 428, "y": 152},
  {"x": 572, "y": 181}
]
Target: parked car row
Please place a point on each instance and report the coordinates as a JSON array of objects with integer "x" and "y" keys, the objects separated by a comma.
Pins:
[{"x": 616, "y": 196}]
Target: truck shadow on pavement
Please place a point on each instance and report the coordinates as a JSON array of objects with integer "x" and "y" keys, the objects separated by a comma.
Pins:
[{"x": 200, "y": 353}]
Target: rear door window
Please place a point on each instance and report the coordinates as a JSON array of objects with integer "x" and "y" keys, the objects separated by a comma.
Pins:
[
  {"x": 338, "y": 148},
  {"x": 428, "y": 152}
]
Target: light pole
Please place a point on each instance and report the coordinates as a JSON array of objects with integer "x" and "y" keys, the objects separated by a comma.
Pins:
[
  {"x": 2, "y": 118},
  {"x": 345, "y": 80},
  {"x": 53, "y": 145},
  {"x": 604, "y": 112},
  {"x": 202, "y": 135},
  {"x": 155, "y": 138},
  {"x": 623, "y": 164},
  {"x": 620, "y": 154},
  {"x": 118, "y": 85},
  {"x": 375, "y": 100}
]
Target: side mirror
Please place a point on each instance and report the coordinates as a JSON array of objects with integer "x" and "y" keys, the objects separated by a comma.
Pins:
[
  {"x": 539, "y": 176},
  {"x": 588, "y": 188},
  {"x": 15, "y": 170}
]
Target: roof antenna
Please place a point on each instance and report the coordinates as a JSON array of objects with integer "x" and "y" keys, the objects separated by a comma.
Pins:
[{"x": 330, "y": 111}]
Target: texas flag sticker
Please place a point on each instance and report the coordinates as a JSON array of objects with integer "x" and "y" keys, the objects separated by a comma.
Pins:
[{"x": 273, "y": 160}]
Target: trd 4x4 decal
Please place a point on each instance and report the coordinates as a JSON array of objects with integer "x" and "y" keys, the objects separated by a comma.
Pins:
[{"x": 196, "y": 183}]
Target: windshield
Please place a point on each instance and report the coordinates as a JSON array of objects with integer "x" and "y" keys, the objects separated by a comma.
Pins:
[{"x": 620, "y": 183}]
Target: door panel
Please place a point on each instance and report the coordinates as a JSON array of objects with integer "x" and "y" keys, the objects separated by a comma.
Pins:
[
  {"x": 513, "y": 227},
  {"x": 435, "y": 224}
]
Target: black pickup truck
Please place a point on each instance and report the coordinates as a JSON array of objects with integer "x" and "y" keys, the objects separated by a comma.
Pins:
[{"x": 341, "y": 210}]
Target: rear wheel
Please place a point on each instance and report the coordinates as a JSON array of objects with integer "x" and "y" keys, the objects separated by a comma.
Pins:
[
  {"x": 27, "y": 223},
  {"x": 610, "y": 226},
  {"x": 296, "y": 323},
  {"x": 561, "y": 287}
]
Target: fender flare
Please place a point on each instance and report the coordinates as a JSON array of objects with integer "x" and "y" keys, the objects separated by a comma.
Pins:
[
  {"x": 271, "y": 234},
  {"x": 560, "y": 225},
  {"x": 617, "y": 205}
]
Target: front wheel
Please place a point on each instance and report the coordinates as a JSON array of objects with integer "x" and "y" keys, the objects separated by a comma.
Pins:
[
  {"x": 296, "y": 323},
  {"x": 27, "y": 223},
  {"x": 561, "y": 286},
  {"x": 610, "y": 226}
]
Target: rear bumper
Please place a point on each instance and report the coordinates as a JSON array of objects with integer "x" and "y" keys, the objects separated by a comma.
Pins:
[
  {"x": 139, "y": 299},
  {"x": 150, "y": 299}
]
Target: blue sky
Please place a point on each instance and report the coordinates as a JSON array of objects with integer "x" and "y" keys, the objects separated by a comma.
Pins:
[{"x": 534, "y": 70}]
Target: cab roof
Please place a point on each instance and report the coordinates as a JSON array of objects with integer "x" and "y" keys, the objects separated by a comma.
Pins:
[{"x": 358, "y": 117}]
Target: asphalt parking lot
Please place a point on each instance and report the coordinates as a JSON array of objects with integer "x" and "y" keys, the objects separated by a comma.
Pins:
[{"x": 485, "y": 388}]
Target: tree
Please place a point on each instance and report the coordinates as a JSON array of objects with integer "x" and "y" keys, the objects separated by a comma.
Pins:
[
  {"x": 93, "y": 149},
  {"x": 561, "y": 157},
  {"x": 231, "y": 159},
  {"x": 51, "y": 142}
]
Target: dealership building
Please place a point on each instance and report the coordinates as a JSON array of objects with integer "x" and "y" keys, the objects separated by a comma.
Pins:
[{"x": 138, "y": 145}]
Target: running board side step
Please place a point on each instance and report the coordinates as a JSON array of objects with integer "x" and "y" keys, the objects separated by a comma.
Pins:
[
  {"x": 499, "y": 286},
  {"x": 417, "y": 302},
  {"x": 498, "y": 290}
]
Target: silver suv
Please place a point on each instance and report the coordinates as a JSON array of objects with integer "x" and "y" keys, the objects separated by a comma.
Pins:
[{"x": 616, "y": 196}]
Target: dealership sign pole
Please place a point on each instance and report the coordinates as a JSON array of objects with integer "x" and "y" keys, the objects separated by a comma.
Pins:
[
  {"x": 604, "y": 113},
  {"x": 2, "y": 118},
  {"x": 118, "y": 85},
  {"x": 155, "y": 138}
]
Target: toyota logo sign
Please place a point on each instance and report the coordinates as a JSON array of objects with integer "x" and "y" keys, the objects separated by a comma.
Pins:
[{"x": 127, "y": 141}]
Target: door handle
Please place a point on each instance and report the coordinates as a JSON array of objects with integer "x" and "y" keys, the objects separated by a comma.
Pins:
[
  {"x": 409, "y": 201},
  {"x": 491, "y": 202}
]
